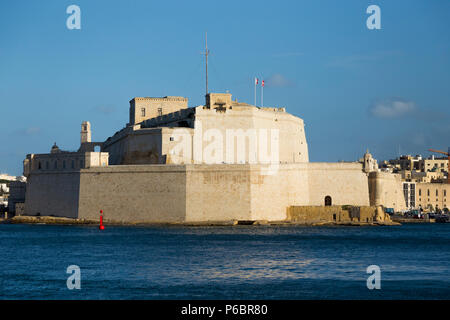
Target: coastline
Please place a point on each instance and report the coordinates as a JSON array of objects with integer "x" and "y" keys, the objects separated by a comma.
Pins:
[{"x": 48, "y": 220}]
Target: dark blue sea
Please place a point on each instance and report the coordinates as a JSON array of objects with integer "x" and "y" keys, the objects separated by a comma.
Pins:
[{"x": 241, "y": 262}]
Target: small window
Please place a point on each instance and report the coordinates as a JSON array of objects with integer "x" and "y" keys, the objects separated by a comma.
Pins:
[
  {"x": 81, "y": 163},
  {"x": 47, "y": 165},
  {"x": 143, "y": 112},
  {"x": 445, "y": 193},
  {"x": 159, "y": 111},
  {"x": 55, "y": 165},
  {"x": 73, "y": 164},
  {"x": 171, "y": 138},
  {"x": 64, "y": 164}
]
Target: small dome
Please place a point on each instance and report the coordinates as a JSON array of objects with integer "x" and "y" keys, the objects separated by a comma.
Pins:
[{"x": 55, "y": 149}]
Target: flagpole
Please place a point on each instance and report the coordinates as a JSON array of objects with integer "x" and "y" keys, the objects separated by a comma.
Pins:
[
  {"x": 262, "y": 93},
  {"x": 254, "y": 82}
]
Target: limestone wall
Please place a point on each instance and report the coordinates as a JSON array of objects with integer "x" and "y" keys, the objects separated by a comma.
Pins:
[
  {"x": 143, "y": 108},
  {"x": 218, "y": 193},
  {"x": 273, "y": 193},
  {"x": 291, "y": 143},
  {"x": 193, "y": 193},
  {"x": 317, "y": 214},
  {"x": 338, "y": 214},
  {"x": 345, "y": 183},
  {"x": 136, "y": 147},
  {"x": 53, "y": 193},
  {"x": 134, "y": 193},
  {"x": 386, "y": 190}
]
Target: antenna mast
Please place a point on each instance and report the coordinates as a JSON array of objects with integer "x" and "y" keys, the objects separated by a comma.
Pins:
[{"x": 206, "y": 59}]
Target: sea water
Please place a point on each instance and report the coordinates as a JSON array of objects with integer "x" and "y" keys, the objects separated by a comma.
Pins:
[{"x": 239, "y": 262}]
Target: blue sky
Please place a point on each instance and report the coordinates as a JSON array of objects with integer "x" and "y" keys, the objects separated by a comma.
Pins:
[{"x": 386, "y": 90}]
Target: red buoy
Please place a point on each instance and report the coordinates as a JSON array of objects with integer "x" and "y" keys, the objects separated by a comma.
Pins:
[{"x": 101, "y": 227}]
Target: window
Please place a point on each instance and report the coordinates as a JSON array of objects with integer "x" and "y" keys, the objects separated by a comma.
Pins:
[
  {"x": 445, "y": 193},
  {"x": 420, "y": 192},
  {"x": 55, "y": 165},
  {"x": 159, "y": 111},
  {"x": 405, "y": 193},
  {"x": 412, "y": 196},
  {"x": 73, "y": 164},
  {"x": 81, "y": 163},
  {"x": 39, "y": 165},
  {"x": 142, "y": 112},
  {"x": 437, "y": 193},
  {"x": 428, "y": 192},
  {"x": 64, "y": 164},
  {"x": 47, "y": 165},
  {"x": 171, "y": 138}
]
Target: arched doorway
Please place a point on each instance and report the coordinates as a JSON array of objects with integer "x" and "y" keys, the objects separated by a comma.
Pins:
[{"x": 327, "y": 201}]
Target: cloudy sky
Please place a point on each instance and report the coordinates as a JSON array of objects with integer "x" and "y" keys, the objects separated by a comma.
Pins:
[{"x": 386, "y": 90}]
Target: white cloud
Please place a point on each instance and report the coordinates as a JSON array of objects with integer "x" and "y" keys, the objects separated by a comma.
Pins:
[
  {"x": 393, "y": 108},
  {"x": 278, "y": 80},
  {"x": 32, "y": 131}
]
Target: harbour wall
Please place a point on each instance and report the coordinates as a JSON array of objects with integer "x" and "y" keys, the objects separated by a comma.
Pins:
[{"x": 194, "y": 192}]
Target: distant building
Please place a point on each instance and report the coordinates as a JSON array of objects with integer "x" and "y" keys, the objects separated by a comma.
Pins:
[
  {"x": 433, "y": 195},
  {"x": 423, "y": 179},
  {"x": 16, "y": 195}
]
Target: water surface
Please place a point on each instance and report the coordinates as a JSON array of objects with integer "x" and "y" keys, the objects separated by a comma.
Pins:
[{"x": 241, "y": 262}]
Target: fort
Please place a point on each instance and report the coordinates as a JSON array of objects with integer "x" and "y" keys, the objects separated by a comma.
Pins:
[{"x": 222, "y": 161}]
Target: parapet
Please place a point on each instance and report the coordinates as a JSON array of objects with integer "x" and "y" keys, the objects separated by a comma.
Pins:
[{"x": 166, "y": 98}]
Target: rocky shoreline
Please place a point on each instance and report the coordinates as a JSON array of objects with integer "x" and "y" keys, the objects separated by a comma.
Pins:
[{"x": 71, "y": 221}]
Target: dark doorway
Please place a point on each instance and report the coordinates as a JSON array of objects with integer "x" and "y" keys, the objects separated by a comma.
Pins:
[{"x": 327, "y": 201}]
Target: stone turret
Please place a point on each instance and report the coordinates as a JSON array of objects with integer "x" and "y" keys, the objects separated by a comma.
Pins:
[
  {"x": 85, "y": 131},
  {"x": 369, "y": 163}
]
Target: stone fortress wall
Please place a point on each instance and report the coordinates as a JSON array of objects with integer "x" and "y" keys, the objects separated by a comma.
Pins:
[
  {"x": 386, "y": 189},
  {"x": 192, "y": 193},
  {"x": 138, "y": 178}
]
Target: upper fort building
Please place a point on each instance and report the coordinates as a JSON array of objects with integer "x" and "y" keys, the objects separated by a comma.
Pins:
[
  {"x": 225, "y": 160},
  {"x": 158, "y": 126}
]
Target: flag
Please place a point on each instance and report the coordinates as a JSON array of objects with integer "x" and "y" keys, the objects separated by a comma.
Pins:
[
  {"x": 262, "y": 83},
  {"x": 256, "y": 81}
]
